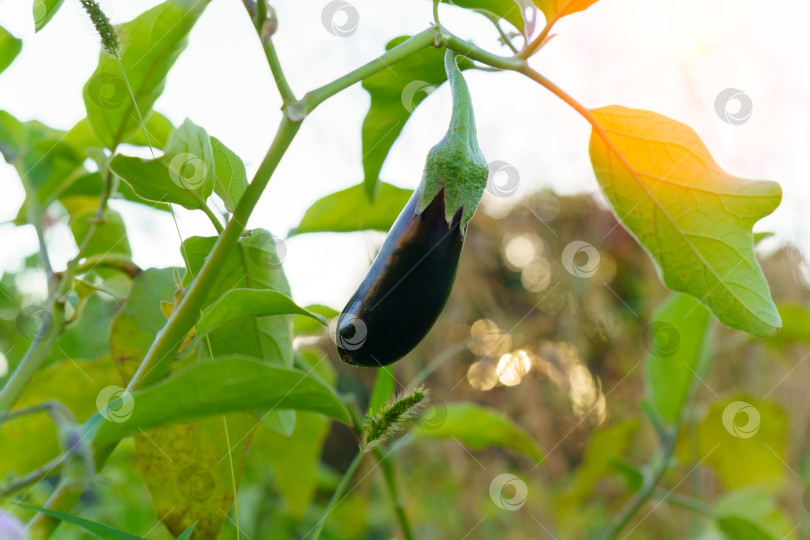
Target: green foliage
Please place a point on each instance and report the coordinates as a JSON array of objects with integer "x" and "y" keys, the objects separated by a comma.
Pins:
[
  {"x": 184, "y": 174},
  {"x": 395, "y": 93},
  {"x": 509, "y": 10},
  {"x": 678, "y": 340},
  {"x": 654, "y": 167},
  {"x": 478, "y": 427},
  {"x": 351, "y": 210},
  {"x": 230, "y": 174},
  {"x": 154, "y": 41},
  {"x": 10, "y": 47}
]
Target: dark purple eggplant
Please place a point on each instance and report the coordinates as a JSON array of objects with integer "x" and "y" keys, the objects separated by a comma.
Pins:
[{"x": 410, "y": 280}]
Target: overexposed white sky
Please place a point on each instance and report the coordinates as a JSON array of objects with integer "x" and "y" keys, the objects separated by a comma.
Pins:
[{"x": 670, "y": 57}]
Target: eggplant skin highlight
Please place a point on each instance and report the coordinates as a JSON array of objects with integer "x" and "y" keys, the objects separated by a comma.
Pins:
[{"x": 405, "y": 289}]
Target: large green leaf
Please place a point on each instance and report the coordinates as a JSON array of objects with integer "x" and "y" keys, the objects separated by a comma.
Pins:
[
  {"x": 223, "y": 386},
  {"x": 678, "y": 341},
  {"x": 10, "y": 47},
  {"x": 185, "y": 465},
  {"x": 304, "y": 325},
  {"x": 478, "y": 427},
  {"x": 184, "y": 174},
  {"x": 351, "y": 210},
  {"x": 744, "y": 440},
  {"x": 81, "y": 136},
  {"x": 395, "y": 93},
  {"x": 502, "y": 9},
  {"x": 253, "y": 265},
  {"x": 693, "y": 218},
  {"x": 153, "y": 42},
  {"x": 241, "y": 303},
  {"x": 44, "y": 10},
  {"x": 110, "y": 234}
]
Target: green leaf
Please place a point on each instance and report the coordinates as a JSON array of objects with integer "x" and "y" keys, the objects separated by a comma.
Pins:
[
  {"x": 231, "y": 177},
  {"x": 744, "y": 440},
  {"x": 751, "y": 515},
  {"x": 255, "y": 265},
  {"x": 351, "y": 210},
  {"x": 82, "y": 138},
  {"x": 499, "y": 9},
  {"x": 187, "y": 533},
  {"x": 184, "y": 174},
  {"x": 478, "y": 427},
  {"x": 110, "y": 234},
  {"x": 693, "y": 218},
  {"x": 75, "y": 384},
  {"x": 384, "y": 386},
  {"x": 395, "y": 93},
  {"x": 224, "y": 386},
  {"x": 104, "y": 531},
  {"x": 154, "y": 41},
  {"x": 184, "y": 465},
  {"x": 304, "y": 325},
  {"x": 10, "y": 47},
  {"x": 678, "y": 341},
  {"x": 561, "y": 8},
  {"x": 294, "y": 459},
  {"x": 240, "y": 303},
  {"x": 44, "y": 10}
]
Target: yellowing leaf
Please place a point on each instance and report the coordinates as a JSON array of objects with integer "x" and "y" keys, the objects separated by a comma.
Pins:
[
  {"x": 692, "y": 217},
  {"x": 561, "y": 8}
]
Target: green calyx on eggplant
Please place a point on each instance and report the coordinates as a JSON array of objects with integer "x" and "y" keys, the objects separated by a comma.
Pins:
[{"x": 410, "y": 280}]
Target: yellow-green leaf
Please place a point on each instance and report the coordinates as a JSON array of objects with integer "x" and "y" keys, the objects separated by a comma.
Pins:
[
  {"x": 10, "y": 47},
  {"x": 693, "y": 218}
]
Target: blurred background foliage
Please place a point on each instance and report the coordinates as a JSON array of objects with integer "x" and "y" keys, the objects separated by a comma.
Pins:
[{"x": 563, "y": 356}]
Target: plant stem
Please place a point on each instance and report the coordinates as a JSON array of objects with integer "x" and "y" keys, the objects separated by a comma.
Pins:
[
  {"x": 161, "y": 353},
  {"x": 391, "y": 482},
  {"x": 278, "y": 74},
  {"x": 347, "y": 476},
  {"x": 632, "y": 506},
  {"x": 415, "y": 43}
]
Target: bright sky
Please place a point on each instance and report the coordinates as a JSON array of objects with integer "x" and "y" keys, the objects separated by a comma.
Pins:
[{"x": 670, "y": 57}]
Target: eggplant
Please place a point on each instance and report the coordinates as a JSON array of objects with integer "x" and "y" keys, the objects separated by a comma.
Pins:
[
  {"x": 405, "y": 289},
  {"x": 412, "y": 276}
]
